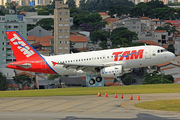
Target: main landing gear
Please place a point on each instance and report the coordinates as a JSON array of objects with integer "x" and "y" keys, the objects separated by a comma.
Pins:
[{"x": 92, "y": 81}]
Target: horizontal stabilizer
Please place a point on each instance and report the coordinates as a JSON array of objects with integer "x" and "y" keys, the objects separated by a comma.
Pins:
[{"x": 26, "y": 65}]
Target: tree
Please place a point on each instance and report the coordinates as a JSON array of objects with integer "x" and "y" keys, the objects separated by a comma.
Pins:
[
  {"x": 71, "y": 3},
  {"x": 26, "y": 8},
  {"x": 23, "y": 80},
  {"x": 119, "y": 10},
  {"x": 102, "y": 5},
  {"x": 76, "y": 11},
  {"x": 171, "y": 48},
  {"x": 151, "y": 9},
  {"x": 3, "y": 82},
  {"x": 98, "y": 35},
  {"x": 12, "y": 6},
  {"x": 52, "y": 77},
  {"x": 157, "y": 79},
  {"x": 45, "y": 10},
  {"x": 93, "y": 19},
  {"x": 163, "y": 13},
  {"x": 122, "y": 37},
  {"x": 103, "y": 45},
  {"x": 30, "y": 26},
  {"x": 46, "y": 23},
  {"x": 127, "y": 79},
  {"x": 2, "y": 7},
  {"x": 86, "y": 27},
  {"x": 1, "y": 13}
]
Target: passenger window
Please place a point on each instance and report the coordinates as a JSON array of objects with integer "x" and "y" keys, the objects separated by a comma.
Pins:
[
  {"x": 89, "y": 58},
  {"x": 84, "y": 59},
  {"x": 100, "y": 57},
  {"x": 76, "y": 60},
  {"x": 107, "y": 56},
  {"x": 158, "y": 51},
  {"x": 111, "y": 56},
  {"x": 97, "y": 57},
  {"x": 71, "y": 60},
  {"x": 81, "y": 59},
  {"x": 161, "y": 50}
]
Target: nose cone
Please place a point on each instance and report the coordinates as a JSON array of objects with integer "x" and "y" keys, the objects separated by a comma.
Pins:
[{"x": 172, "y": 56}]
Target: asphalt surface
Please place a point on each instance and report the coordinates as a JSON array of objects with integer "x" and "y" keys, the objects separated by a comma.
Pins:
[{"x": 84, "y": 108}]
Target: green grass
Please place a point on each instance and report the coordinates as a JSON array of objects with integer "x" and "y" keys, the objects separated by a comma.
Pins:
[
  {"x": 131, "y": 89},
  {"x": 165, "y": 105}
]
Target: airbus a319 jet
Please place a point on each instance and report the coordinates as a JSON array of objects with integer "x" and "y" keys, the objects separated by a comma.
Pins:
[{"x": 103, "y": 63}]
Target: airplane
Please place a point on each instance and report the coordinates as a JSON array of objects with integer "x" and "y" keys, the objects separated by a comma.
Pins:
[{"x": 103, "y": 63}]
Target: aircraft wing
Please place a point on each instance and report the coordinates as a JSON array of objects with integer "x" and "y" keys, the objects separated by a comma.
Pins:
[
  {"x": 83, "y": 67},
  {"x": 86, "y": 67}
]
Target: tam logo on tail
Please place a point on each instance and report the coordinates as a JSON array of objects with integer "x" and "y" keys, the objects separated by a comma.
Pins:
[{"x": 21, "y": 46}]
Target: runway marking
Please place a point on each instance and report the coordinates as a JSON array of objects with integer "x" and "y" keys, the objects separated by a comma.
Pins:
[
  {"x": 72, "y": 104},
  {"x": 123, "y": 104}
]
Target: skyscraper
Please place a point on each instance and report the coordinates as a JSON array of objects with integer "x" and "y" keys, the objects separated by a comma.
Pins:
[{"x": 61, "y": 28}]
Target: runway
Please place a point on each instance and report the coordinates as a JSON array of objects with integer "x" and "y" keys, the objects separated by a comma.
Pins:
[{"x": 84, "y": 107}]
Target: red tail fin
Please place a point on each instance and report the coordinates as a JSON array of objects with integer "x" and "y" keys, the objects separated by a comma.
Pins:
[{"x": 21, "y": 48}]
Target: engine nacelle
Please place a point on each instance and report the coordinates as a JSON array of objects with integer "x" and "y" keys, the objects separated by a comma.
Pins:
[{"x": 113, "y": 71}]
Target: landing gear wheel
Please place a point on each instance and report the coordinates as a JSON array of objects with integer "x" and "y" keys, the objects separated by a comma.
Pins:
[
  {"x": 99, "y": 79},
  {"x": 91, "y": 81}
]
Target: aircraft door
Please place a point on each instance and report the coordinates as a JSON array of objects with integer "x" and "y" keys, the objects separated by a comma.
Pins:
[
  {"x": 43, "y": 65},
  {"x": 147, "y": 53}
]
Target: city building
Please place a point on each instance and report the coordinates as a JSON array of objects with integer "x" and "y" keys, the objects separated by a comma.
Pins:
[
  {"x": 78, "y": 41},
  {"x": 104, "y": 15},
  {"x": 161, "y": 36},
  {"x": 19, "y": 2},
  {"x": 133, "y": 25},
  {"x": 138, "y": 1},
  {"x": 61, "y": 28},
  {"x": 42, "y": 2},
  {"x": 33, "y": 17},
  {"x": 38, "y": 31},
  {"x": 42, "y": 44},
  {"x": 10, "y": 22}
]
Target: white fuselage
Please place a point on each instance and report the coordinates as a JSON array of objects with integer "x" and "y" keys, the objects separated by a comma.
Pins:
[{"x": 151, "y": 55}]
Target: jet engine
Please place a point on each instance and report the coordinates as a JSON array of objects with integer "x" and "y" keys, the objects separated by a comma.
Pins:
[{"x": 113, "y": 71}]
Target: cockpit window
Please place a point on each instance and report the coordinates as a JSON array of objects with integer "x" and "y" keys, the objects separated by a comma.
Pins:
[
  {"x": 165, "y": 50},
  {"x": 162, "y": 50}
]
